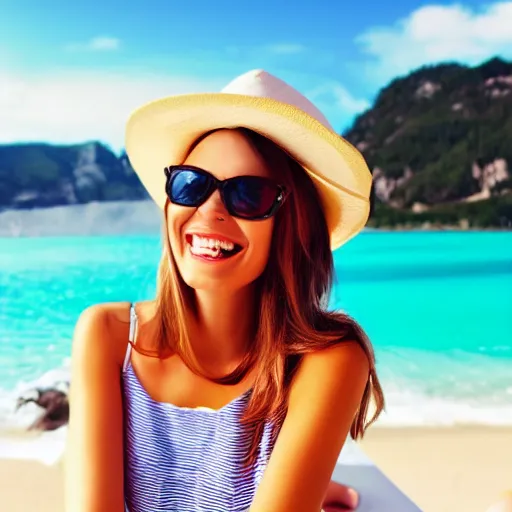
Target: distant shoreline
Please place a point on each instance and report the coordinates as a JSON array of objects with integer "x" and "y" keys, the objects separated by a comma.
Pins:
[
  {"x": 436, "y": 229},
  {"x": 141, "y": 217},
  {"x": 90, "y": 219}
]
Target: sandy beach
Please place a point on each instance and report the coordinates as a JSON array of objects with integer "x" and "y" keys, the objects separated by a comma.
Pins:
[
  {"x": 462, "y": 469},
  {"x": 441, "y": 469}
]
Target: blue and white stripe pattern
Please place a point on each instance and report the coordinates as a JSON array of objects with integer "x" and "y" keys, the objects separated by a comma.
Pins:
[{"x": 180, "y": 459}]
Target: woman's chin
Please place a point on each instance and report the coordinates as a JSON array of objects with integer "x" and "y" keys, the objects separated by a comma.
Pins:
[{"x": 220, "y": 276}]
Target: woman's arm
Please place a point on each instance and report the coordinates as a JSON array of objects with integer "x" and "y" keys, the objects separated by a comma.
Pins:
[
  {"x": 324, "y": 397},
  {"x": 94, "y": 450}
]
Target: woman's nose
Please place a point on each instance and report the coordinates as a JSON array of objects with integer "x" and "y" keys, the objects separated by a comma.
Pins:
[{"x": 213, "y": 206}]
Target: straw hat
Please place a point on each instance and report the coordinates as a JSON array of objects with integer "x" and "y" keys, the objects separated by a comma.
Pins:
[{"x": 159, "y": 134}]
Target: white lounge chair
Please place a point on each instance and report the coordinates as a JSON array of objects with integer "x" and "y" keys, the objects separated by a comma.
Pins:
[{"x": 377, "y": 493}]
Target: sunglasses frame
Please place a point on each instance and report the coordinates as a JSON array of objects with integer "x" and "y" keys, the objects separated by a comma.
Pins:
[{"x": 216, "y": 184}]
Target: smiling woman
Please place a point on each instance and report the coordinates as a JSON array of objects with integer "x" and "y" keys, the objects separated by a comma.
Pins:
[
  {"x": 247, "y": 194},
  {"x": 234, "y": 389}
]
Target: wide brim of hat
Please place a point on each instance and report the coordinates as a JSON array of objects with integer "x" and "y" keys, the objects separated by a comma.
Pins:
[{"x": 160, "y": 134}]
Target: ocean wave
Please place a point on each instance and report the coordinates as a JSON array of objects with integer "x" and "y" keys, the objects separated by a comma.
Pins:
[
  {"x": 47, "y": 448},
  {"x": 12, "y": 420},
  {"x": 413, "y": 409},
  {"x": 405, "y": 407}
]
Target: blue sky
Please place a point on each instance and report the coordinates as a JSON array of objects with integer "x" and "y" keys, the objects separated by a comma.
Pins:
[{"x": 73, "y": 71}]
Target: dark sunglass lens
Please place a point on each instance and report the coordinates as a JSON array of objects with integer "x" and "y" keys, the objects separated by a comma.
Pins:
[
  {"x": 187, "y": 187},
  {"x": 251, "y": 196}
]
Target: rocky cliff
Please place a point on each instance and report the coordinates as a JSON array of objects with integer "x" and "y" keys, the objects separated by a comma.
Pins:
[
  {"x": 41, "y": 175},
  {"x": 438, "y": 139}
]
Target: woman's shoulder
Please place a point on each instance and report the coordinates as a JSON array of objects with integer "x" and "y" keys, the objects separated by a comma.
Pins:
[
  {"x": 331, "y": 362},
  {"x": 102, "y": 330},
  {"x": 110, "y": 316}
]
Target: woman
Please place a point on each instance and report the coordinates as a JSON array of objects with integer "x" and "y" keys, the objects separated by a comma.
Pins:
[{"x": 234, "y": 389}]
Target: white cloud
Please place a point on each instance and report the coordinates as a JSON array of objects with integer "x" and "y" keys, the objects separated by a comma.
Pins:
[
  {"x": 285, "y": 48},
  {"x": 334, "y": 94},
  {"x": 96, "y": 44},
  {"x": 72, "y": 107},
  {"x": 278, "y": 49},
  {"x": 437, "y": 33},
  {"x": 104, "y": 43}
]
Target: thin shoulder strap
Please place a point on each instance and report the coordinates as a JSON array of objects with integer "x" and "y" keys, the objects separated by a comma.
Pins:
[
  {"x": 133, "y": 323},
  {"x": 131, "y": 336}
]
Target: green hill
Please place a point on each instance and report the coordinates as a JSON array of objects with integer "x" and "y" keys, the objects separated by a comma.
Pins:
[
  {"x": 438, "y": 142},
  {"x": 41, "y": 175}
]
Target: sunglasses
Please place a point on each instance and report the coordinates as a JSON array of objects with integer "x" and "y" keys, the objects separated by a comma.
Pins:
[{"x": 245, "y": 197}]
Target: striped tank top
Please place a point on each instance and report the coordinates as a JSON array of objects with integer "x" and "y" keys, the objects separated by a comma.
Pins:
[{"x": 180, "y": 459}]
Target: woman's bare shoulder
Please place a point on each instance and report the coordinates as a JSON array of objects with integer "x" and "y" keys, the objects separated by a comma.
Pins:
[
  {"x": 94, "y": 452},
  {"x": 102, "y": 329}
]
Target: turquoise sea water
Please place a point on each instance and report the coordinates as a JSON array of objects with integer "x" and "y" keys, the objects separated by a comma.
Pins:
[{"x": 436, "y": 305}]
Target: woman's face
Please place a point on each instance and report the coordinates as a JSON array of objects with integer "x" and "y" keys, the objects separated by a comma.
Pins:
[{"x": 225, "y": 154}]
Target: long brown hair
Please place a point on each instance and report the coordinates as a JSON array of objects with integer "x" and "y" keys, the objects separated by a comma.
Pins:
[{"x": 291, "y": 305}]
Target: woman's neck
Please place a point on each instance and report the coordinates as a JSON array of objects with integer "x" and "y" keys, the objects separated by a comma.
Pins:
[{"x": 223, "y": 327}]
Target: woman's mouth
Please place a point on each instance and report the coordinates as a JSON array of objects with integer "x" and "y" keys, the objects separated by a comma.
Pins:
[{"x": 211, "y": 248}]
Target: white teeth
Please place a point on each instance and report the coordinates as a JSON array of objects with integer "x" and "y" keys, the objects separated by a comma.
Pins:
[
  {"x": 211, "y": 243},
  {"x": 198, "y": 251}
]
